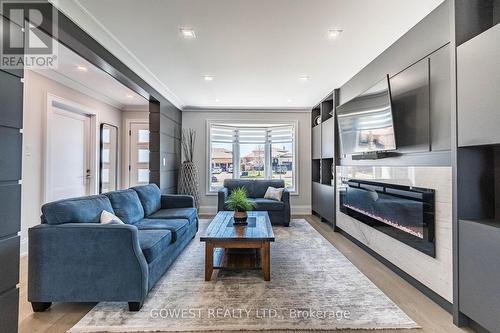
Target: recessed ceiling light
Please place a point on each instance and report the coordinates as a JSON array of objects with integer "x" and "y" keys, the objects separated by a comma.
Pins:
[
  {"x": 82, "y": 68},
  {"x": 217, "y": 100},
  {"x": 129, "y": 96},
  {"x": 305, "y": 78},
  {"x": 334, "y": 33},
  {"x": 188, "y": 33},
  {"x": 289, "y": 100},
  {"x": 208, "y": 77}
]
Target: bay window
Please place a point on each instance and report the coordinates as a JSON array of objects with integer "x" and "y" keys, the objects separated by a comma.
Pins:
[{"x": 251, "y": 151}]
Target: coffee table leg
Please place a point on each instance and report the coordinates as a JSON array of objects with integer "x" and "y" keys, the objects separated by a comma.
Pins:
[
  {"x": 209, "y": 260},
  {"x": 266, "y": 260}
]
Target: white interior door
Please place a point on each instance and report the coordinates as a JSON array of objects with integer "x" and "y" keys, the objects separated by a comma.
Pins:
[
  {"x": 69, "y": 173},
  {"x": 139, "y": 154}
]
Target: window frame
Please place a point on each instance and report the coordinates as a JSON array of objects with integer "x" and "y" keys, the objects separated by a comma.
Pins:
[{"x": 236, "y": 152}]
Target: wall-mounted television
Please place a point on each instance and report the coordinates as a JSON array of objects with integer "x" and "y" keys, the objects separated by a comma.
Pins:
[{"x": 366, "y": 122}]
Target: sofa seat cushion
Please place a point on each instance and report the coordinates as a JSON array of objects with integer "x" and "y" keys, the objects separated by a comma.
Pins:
[
  {"x": 76, "y": 210},
  {"x": 176, "y": 226},
  {"x": 268, "y": 204},
  {"x": 126, "y": 205},
  {"x": 154, "y": 243},
  {"x": 150, "y": 197},
  {"x": 175, "y": 213}
]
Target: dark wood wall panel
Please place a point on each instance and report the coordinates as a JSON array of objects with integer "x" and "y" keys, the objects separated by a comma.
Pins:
[
  {"x": 9, "y": 262},
  {"x": 11, "y": 99},
  {"x": 9, "y": 303},
  {"x": 10, "y": 214},
  {"x": 10, "y": 153},
  {"x": 165, "y": 145},
  {"x": 11, "y": 119}
]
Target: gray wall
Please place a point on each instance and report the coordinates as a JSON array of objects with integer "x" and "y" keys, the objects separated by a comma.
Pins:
[
  {"x": 165, "y": 123},
  {"x": 422, "y": 115}
]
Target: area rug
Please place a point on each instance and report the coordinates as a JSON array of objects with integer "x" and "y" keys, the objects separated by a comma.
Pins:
[{"x": 313, "y": 287}]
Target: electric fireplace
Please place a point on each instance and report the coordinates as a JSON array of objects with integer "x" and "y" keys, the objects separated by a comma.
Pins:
[{"x": 403, "y": 212}]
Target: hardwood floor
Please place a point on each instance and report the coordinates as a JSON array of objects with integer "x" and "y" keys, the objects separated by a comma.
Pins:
[{"x": 61, "y": 317}]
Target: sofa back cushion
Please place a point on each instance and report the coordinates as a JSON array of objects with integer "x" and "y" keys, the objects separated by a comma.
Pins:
[
  {"x": 150, "y": 197},
  {"x": 232, "y": 184},
  {"x": 76, "y": 210},
  {"x": 126, "y": 205},
  {"x": 260, "y": 186}
]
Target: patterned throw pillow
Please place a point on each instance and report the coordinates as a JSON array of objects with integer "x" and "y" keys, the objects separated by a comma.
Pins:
[
  {"x": 274, "y": 193},
  {"x": 108, "y": 218}
]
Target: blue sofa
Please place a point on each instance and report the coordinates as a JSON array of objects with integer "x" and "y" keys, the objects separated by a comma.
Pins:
[
  {"x": 74, "y": 258},
  {"x": 279, "y": 211}
]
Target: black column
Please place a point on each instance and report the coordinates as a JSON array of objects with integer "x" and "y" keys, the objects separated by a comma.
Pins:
[{"x": 11, "y": 121}]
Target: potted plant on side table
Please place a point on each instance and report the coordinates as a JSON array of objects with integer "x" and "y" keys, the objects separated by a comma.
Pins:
[{"x": 239, "y": 202}]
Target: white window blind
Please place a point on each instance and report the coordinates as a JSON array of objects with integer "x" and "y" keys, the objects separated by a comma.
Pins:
[{"x": 230, "y": 134}]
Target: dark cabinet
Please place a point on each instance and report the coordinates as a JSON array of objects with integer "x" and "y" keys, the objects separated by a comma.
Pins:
[
  {"x": 323, "y": 201},
  {"x": 478, "y": 79}
]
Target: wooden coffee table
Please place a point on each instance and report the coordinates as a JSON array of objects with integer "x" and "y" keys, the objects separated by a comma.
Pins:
[{"x": 221, "y": 233}]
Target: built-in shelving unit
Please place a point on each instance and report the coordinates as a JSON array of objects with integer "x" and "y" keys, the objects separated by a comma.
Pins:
[
  {"x": 478, "y": 161},
  {"x": 324, "y": 158}
]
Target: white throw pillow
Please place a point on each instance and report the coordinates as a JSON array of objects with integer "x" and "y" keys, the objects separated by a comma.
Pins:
[
  {"x": 108, "y": 218},
  {"x": 274, "y": 193}
]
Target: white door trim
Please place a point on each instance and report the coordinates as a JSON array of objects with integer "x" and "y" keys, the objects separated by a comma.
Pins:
[
  {"x": 128, "y": 128},
  {"x": 71, "y": 106}
]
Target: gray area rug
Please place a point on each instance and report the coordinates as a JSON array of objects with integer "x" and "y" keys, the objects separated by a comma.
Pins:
[{"x": 313, "y": 287}]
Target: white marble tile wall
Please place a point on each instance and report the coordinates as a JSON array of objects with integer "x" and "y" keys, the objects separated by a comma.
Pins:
[{"x": 435, "y": 273}]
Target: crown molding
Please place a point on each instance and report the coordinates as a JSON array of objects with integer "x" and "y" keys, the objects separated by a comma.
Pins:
[{"x": 252, "y": 110}]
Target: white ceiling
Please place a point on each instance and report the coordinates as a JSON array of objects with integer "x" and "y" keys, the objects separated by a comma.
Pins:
[
  {"x": 93, "y": 82},
  {"x": 255, "y": 49}
]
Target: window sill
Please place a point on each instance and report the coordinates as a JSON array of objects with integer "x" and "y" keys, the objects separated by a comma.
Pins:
[{"x": 214, "y": 193}]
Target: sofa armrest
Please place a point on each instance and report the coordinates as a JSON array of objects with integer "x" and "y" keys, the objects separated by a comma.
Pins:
[
  {"x": 286, "y": 199},
  {"x": 177, "y": 201},
  {"x": 222, "y": 195},
  {"x": 86, "y": 262}
]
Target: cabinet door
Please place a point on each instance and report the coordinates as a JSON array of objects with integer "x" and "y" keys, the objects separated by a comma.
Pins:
[
  {"x": 478, "y": 79},
  {"x": 327, "y": 138},
  {"x": 479, "y": 273},
  {"x": 316, "y": 142},
  {"x": 10, "y": 154},
  {"x": 316, "y": 196},
  {"x": 11, "y": 100},
  {"x": 10, "y": 214},
  {"x": 326, "y": 202}
]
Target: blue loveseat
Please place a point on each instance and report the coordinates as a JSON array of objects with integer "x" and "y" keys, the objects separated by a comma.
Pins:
[
  {"x": 74, "y": 258},
  {"x": 278, "y": 211}
]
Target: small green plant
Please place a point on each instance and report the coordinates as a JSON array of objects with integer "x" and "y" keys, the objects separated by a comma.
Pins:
[{"x": 238, "y": 200}]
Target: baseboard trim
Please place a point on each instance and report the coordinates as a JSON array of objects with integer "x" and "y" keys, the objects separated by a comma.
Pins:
[
  {"x": 295, "y": 210},
  {"x": 435, "y": 297}
]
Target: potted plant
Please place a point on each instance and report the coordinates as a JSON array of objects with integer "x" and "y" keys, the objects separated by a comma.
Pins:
[{"x": 239, "y": 202}]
